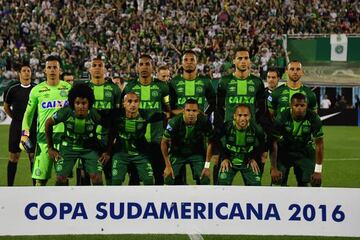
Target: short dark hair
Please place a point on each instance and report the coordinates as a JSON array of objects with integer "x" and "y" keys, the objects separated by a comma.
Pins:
[
  {"x": 189, "y": 52},
  {"x": 298, "y": 96},
  {"x": 26, "y": 64},
  {"x": 53, "y": 58},
  {"x": 81, "y": 90},
  {"x": 146, "y": 56},
  {"x": 191, "y": 101},
  {"x": 242, "y": 105},
  {"x": 293, "y": 61},
  {"x": 241, "y": 49},
  {"x": 97, "y": 58},
  {"x": 273, "y": 70},
  {"x": 163, "y": 67},
  {"x": 66, "y": 74}
]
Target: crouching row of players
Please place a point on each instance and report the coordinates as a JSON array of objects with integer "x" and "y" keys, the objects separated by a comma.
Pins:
[{"x": 241, "y": 143}]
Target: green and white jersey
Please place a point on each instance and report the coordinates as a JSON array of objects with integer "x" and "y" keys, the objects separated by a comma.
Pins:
[
  {"x": 187, "y": 140},
  {"x": 80, "y": 133},
  {"x": 154, "y": 98},
  {"x": 199, "y": 89},
  {"x": 240, "y": 146},
  {"x": 294, "y": 135},
  {"x": 233, "y": 91},
  {"x": 280, "y": 98},
  {"x": 46, "y": 100},
  {"x": 130, "y": 133}
]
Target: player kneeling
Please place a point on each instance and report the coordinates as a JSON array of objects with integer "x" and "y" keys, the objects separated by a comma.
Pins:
[
  {"x": 242, "y": 140},
  {"x": 79, "y": 140},
  {"x": 296, "y": 131}
]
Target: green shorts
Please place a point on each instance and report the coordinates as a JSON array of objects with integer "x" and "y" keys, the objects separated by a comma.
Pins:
[
  {"x": 196, "y": 163},
  {"x": 303, "y": 163},
  {"x": 250, "y": 178},
  {"x": 120, "y": 163},
  {"x": 69, "y": 156},
  {"x": 42, "y": 161}
]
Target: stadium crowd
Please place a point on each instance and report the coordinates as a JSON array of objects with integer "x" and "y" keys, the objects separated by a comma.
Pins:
[{"x": 122, "y": 30}]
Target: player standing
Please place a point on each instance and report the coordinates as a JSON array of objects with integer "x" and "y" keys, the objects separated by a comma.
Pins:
[
  {"x": 16, "y": 97},
  {"x": 45, "y": 98}
]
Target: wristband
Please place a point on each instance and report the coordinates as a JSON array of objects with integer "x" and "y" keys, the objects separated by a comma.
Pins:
[
  {"x": 318, "y": 168},
  {"x": 207, "y": 165},
  {"x": 25, "y": 133}
]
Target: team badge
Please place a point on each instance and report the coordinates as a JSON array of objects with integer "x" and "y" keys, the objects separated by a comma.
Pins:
[
  {"x": 108, "y": 94},
  {"x": 59, "y": 167},
  {"x": 251, "y": 89},
  {"x": 37, "y": 172},
  {"x": 63, "y": 93},
  {"x": 154, "y": 93},
  {"x": 114, "y": 172},
  {"x": 199, "y": 89},
  {"x": 90, "y": 128}
]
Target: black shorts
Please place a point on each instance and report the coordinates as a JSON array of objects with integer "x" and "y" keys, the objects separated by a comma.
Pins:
[{"x": 15, "y": 135}]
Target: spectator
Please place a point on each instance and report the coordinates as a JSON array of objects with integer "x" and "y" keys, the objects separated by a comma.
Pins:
[{"x": 325, "y": 103}]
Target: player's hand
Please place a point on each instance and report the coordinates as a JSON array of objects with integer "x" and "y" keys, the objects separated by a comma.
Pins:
[
  {"x": 104, "y": 158},
  {"x": 254, "y": 166},
  {"x": 276, "y": 175},
  {"x": 23, "y": 139},
  {"x": 225, "y": 165},
  {"x": 316, "y": 179},
  {"x": 54, "y": 154},
  {"x": 168, "y": 171},
  {"x": 205, "y": 173}
]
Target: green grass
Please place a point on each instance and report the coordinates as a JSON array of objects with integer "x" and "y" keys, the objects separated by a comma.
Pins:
[{"x": 341, "y": 169}]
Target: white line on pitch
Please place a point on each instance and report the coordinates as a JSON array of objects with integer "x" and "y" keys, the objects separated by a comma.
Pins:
[{"x": 195, "y": 236}]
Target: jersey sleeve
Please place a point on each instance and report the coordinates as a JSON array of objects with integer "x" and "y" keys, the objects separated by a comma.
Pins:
[
  {"x": 30, "y": 110},
  {"x": 278, "y": 125},
  {"x": 210, "y": 96},
  {"x": 8, "y": 96},
  {"x": 316, "y": 127},
  {"x": 165, "y": 96},
  {"x": 169, "y": 130},
  {"x": 312, "y": 101},
  {"x": 61, "y": 115},
  {"x": 272, "y": 101},
  {"x": 221, "y": 94}
]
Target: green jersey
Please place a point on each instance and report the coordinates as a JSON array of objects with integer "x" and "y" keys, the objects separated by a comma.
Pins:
[
  {"x": 107, "y": 98},
  {"x": 80, "y": 133},
  {"x": 294, "y": 136},
  {"x": 280, "y": 98},
  {"x": 130, "y": 133},
  {"x": 240, "y": 146},
  {"x": 199, "y": 89},
  {"x": 46, "y": 100},
  {"x": 233, "y": 91},
  {"x": 187, "y": 140},
  {"x": 153, "y": 98}
]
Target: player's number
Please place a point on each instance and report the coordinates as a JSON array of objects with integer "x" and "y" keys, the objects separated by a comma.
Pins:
[{"x": 309, "y": 213}]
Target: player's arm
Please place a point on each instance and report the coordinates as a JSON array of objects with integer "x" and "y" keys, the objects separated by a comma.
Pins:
[
  {"x": 53, "y": 153},
  {"x": 8, "y": 110},
  {"x": 165, "y": 143},
  {"x": 276, "y": 175},
  {"x": 29, "y": 115},
  {"x": 210, "y": 134},
  {"x": 319, "y": 151},
  {"x": 260, "y": 100},
  {"x": 166, "y": 101},
  {"x": 210, "y": 96},
  {"x": 220, "y": 107}
]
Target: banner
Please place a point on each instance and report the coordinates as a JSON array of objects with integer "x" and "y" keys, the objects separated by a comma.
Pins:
[
  {"x": 339, "y": 45},
  {"x": 180, "y": 210}
]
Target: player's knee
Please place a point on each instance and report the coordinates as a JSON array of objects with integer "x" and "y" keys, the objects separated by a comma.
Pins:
[
  {"x": 205, "y": 181},
  {"x": 223, "y": 179},
  {"x": 96, "y": 179},
  {"x": 40, "y": 182},
  {"x": 14, "y": 157},
  {"x": 169, "y": 180},
  {"x": 61, "y": 181},
  {"x": 148, "y": 180}
]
